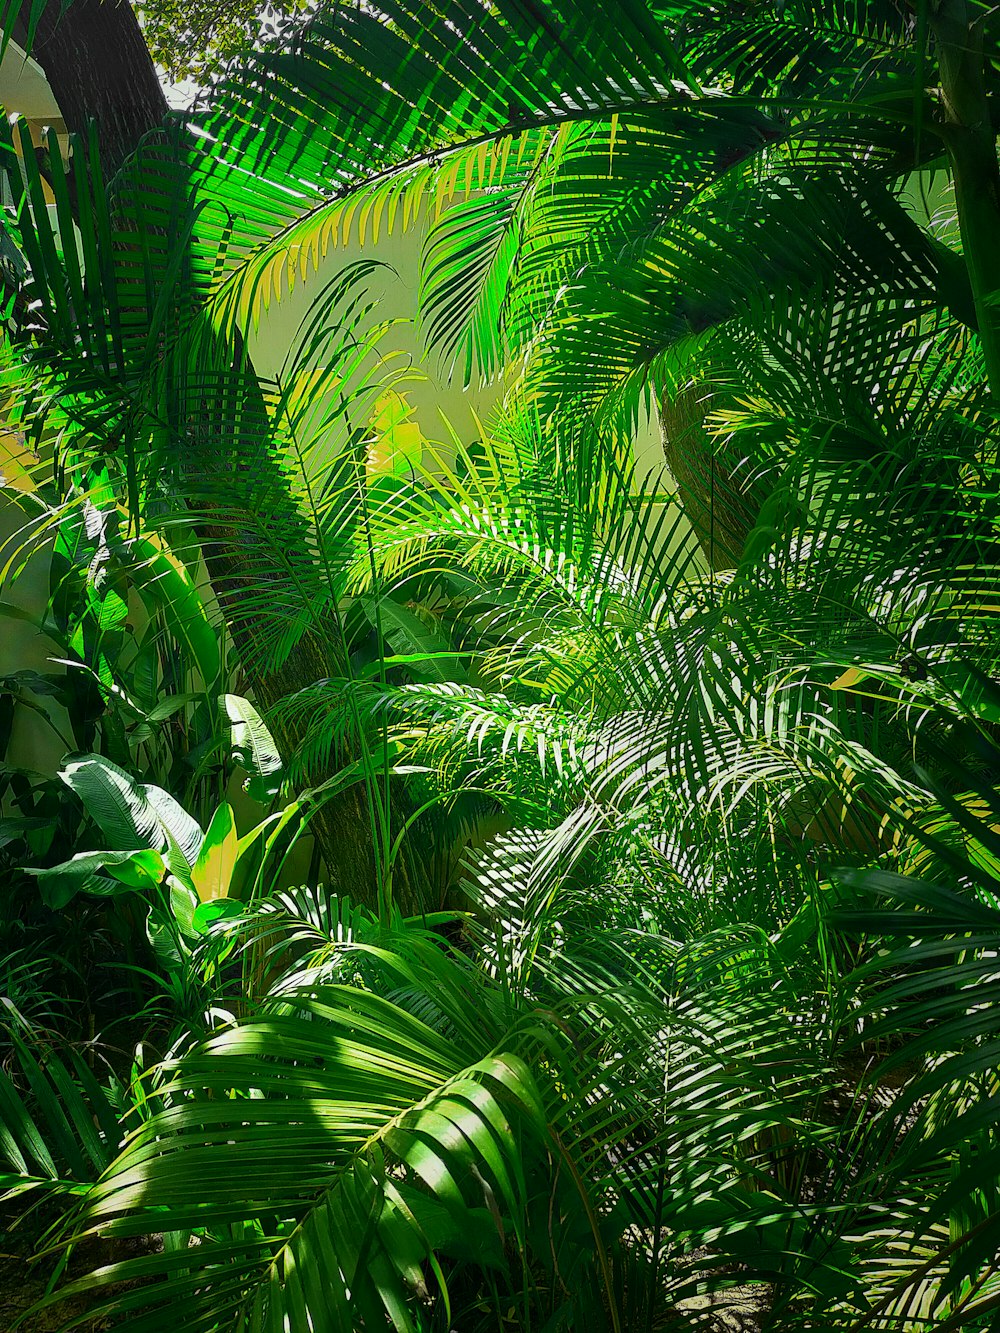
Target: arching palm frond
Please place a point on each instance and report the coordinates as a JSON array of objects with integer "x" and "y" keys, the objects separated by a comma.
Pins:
[
  {"x": 399, "y": 1147},
  {"x": 61, "y": 1127},
  {"x": 925, "y": 1010},
  {"x": 830, "y": 232}
]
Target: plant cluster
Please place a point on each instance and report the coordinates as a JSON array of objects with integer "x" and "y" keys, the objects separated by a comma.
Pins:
[{"x": 642, "y": 972}]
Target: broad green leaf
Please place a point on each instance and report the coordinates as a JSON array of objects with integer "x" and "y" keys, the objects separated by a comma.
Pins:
[
  {"x": 167, "y": 708},
  {"x": 167, "y": 585},
  {"x": 182, "y": 832},
  {"x": 140, "y": 869},
  {"x": 129, "y": 812},
  {"x": 115, "y": 801},
  {"x": 219, "y": 909},
  {"x": 183, "y": 905},
  {"x": 426, "y": 649},
  {"x": 253, "y": 747},
  {"x": 212, "y": 871},
  {"x": 166, "y": 939}
]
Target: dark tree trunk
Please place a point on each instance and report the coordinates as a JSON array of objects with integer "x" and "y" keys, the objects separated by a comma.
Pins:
[
  {"x": 99, "y": 69},
  {"x": 960, "y": 30},
  {"x": 721, "y": 509}
]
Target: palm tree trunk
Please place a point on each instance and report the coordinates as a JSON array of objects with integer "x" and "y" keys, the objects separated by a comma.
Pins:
[
  {"x": 720, "y": 508},
  {"x": 971, "y": 140}
]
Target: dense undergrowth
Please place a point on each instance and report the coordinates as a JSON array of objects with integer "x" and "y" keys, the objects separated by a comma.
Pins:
[{"x": 490, "y": 886}]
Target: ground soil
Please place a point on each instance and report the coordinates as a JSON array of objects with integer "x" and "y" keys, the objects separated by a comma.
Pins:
[{"x": 24, "y": 1283}]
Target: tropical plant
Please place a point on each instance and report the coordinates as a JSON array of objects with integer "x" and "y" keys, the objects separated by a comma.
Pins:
[
  {"x": 628, "y": 1073},
  {"x": 61, "y": 1126},
  {"x": 233, "y": 237},
  {"x": 139, "y": 655}
]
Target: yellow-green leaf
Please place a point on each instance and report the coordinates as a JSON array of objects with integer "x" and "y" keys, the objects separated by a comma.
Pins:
[{"x": 213, "y": 869}]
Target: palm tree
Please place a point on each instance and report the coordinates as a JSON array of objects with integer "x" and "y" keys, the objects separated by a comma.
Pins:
[
  {"x": 662, "y": 862},
  {"x": 646, "y": 200},
  {"x": 626, "y": 177},
  {"x": 603, "y": 206}
]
